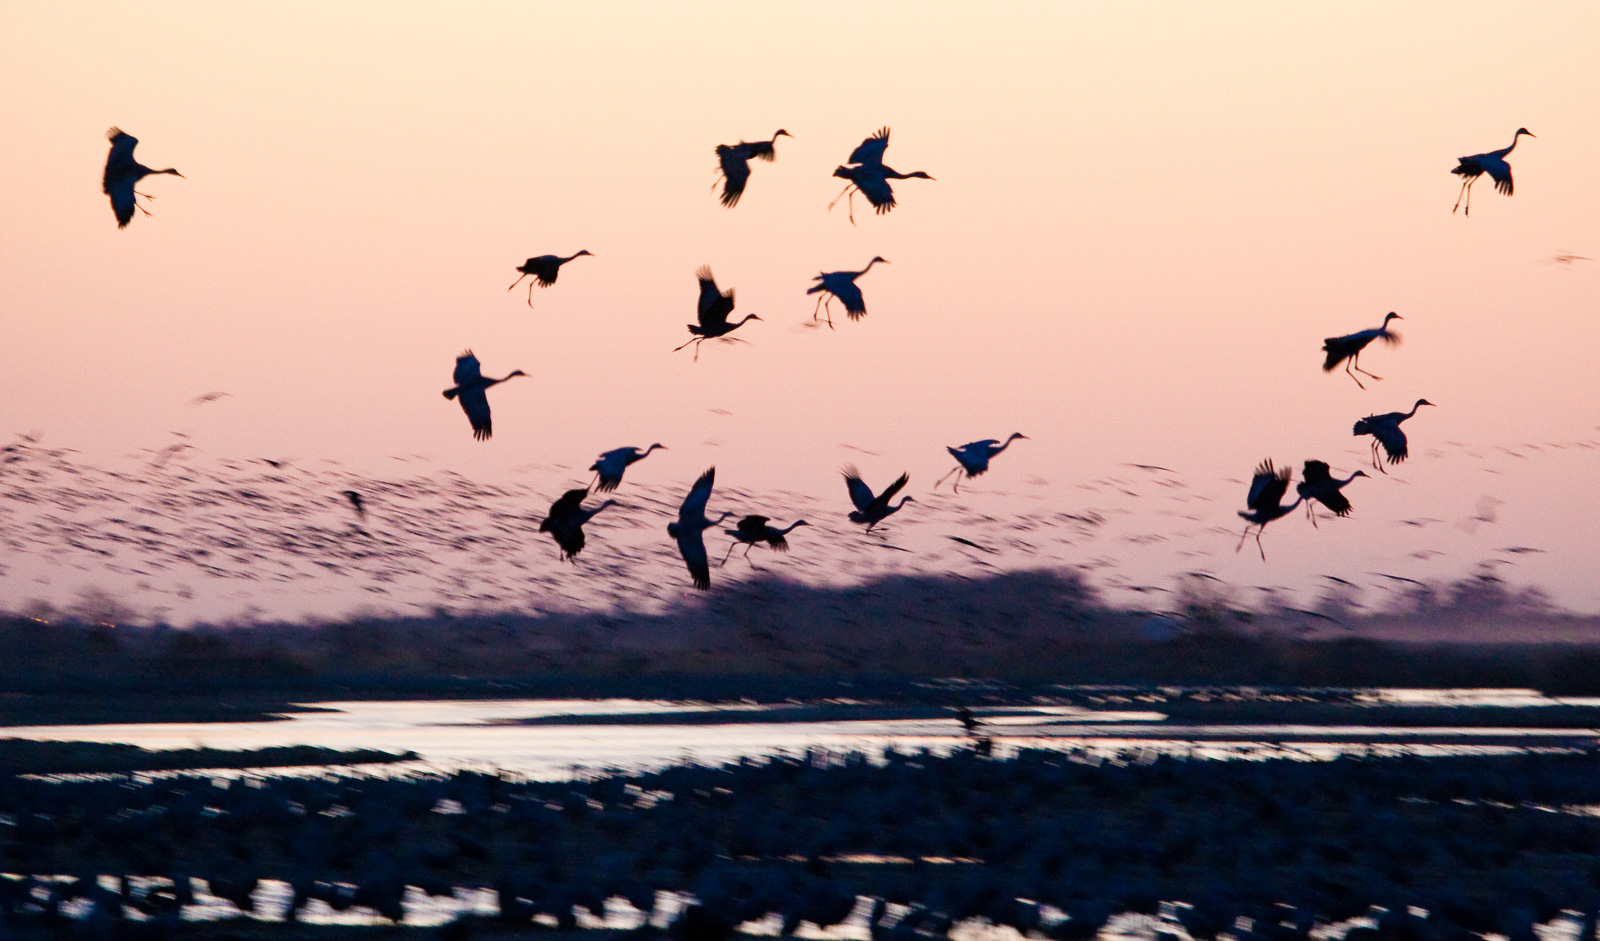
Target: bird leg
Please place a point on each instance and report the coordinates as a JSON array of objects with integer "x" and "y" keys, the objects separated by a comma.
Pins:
[
  {"x": 1352, "y": 375},
  {"x": 829, "y": 309},
  {"x": 1259, "y": 530},
  {"x": 840, "y": 196},
  {"x": 517, "y": 282},
  {"x": 941, "y": 480},
  {"x": 1356, "y": 362},
  {"x": 747, "y": 553},
  {"x": 530, "y": 295},
  {"x": 690, "y": 340},
  {"x": 1311, "y": 514},
  {"x": 1242, "y": 537},
  {"x": 728, "y": 553},
  {"x": 1465, "y": 184}
]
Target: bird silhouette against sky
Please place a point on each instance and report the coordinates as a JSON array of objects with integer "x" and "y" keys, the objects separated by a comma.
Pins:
[
  {"x": 1265, "y": 500},
  {"x": 1320, "y": 486},
  {"x": 1492, "y": 163},
  {"x": 972, "y": 459},
  {"x": 471, "y": 388},
  {"x": 1385, "y": 431},
  {"x": 870, "y": 509},
  {"x": 1347, "y": 349},
  {"x": 714, "y": 308},
  {"x": 690, "y": 527},
  {"x": 544, "y": 269},
  {"x": 734, "y": 163},
  {"x": 869, "y": 176},
  {"x": 755, "y": 529},
  {"x": 566, "y": 518},
  {"x": 841, "y": 285},
  {"x": 609, "y": 466},
  {"x": 123, "y": 173}
]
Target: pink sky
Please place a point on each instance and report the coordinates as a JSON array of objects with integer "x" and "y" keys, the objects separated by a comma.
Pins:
[{"x": 1145, "y": 220}]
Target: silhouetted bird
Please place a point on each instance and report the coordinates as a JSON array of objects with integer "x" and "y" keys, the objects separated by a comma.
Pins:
[
  {"x": 1492, "y": 163},
  {"x": 566, "y": 519},
  {"x": 471, "y": 386},
  {"x": 714, "y": 308},
  {"x": 1385, "y": 430},
  {"x": 1349, "y": 347},
  {"x": 867, "y": 174},
  {"x": 544, "y": 269},
  {"x": 691, "y": 524},
  {"x": 870, "y": 509},
  {"x": 734, "y": 160},
  {"x": 973, "y": 458},
  {"x": 609, "y": 466},
  {"x": 1267, "y": 489},
  {"x": 355, "y": 502},
  {"x": 754, "y": 529},
  {"x": 842, "y": 285},
  {"x": 123, "y": 173},
  {"x": 1322, "y": 487}
]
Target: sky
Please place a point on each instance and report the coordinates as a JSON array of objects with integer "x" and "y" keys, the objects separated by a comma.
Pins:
[{"x": 1144, "y": 221}]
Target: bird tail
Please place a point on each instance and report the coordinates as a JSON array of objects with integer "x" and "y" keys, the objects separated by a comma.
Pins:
[
  {"x": 1363, "y": 427},
  {"x": 1336, "y": 353}
]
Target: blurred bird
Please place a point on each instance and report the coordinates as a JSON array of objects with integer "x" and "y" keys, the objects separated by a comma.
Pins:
[
  {"x": 973, "y": 458},
  {"x": 868, "y": 175},
  {"x": 1492, "y": 163},
  {"x": 123, "y": 173},
  {"x": 842, "y": 285},
  {"x": 544, "y": 269},
  {"x": 714, "y": 308},
  {"x": 1349, "y": 347},
  {"x": 1320, "y": 486},
  {"x": 609, "y": 466},
  {"x": 566, "y": 519},
  {"x": 1385, "y": 430},
  {"x": 734, "y": 162},
  {"x": 356, "y": 504},
  {"x": 870, "y": 509},
  {"x": 754, "y": 529},
  {"x": 692, "y": 522},
  {"x": 1267, "y": 489},
  {"x": 471, "y": 386}
]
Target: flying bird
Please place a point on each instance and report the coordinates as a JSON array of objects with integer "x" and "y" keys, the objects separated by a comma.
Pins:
[
  {"x": 1347, "y": 349},
  {"x": 870, "y": 509},
  {"x": 1319, "y": 486},
  {"x": 734, "y": 162},
  {"x": 691, "y": 524},
  {"x": 1267, "y": 489},
  {"x": 870, "y": 177},
  {"x": 609, "y": 466},
  {"x": 1385, "y": 430},
  {"x": 471, "y": 385},
  {"x": 544, "y": 269},
  {"x": 1492, "y": 163},
  {"x": 566, "y": 519},
  {"x": 842, "y": 285},
  {"x": 123, "y": 173},
  {"x": 356, "y": 504},
  {"x": 973, "y": 458},
  {"x": 753, "y": 529},
  {"x": 714, "y": 308}
]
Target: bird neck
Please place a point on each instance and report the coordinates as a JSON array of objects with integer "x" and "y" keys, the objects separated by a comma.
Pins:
[
  {"x": 867, "y": 268},
  {"x": 791, "y": 527},
  {"x": 1353, "y": 476}
]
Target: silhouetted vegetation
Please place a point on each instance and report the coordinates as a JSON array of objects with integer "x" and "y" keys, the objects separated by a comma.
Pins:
[{"x": 23, "y": 756}]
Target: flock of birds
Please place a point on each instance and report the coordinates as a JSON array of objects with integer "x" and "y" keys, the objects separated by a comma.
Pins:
[{"x": 868, "y": 174}]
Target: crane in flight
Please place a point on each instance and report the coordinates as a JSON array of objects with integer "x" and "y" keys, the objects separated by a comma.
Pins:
[
  {"x": 1385, "y": 430},
  {"x": 973, "y": 458},
  {"x": 714, "y": 308},
  {"x": 566, "y": 519},
  {"x": 470, "y": 388},
  {"x": 1267, "y": 489},
  {"x": 609, "y": 466},
  {"x": 1320, "y": 486},
  {"x": 870, "y": 509},
  {"x": 123, "y": 173},
  {"x": 756, "y": 529},
  {"x": 545, "y": 269},
  {"x": 733, "y": 161},
  {"x": 690, "y": 527},
  {"x": 1347, "y": 349},
  {"x": 869, "y": 176},
  {"x": 1492, "y": 163},
  {"x": 841, "y": 285}
]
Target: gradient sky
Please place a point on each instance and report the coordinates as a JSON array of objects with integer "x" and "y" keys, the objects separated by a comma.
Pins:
[{"x": 1146, "y": 218}]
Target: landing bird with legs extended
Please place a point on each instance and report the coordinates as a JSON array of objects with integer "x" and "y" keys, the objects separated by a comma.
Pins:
[
  {"x": 841, "y": 285},
  {"x": 123, "y": 173},
  {"x": 609, "y": 466},
  {"x": 1347, "y": 349},
  {"x": 1492, "y": 163},
  {"x": 869, "y": 176},
  {"x": 1320, "y": 486},
  {"x": 714, "y": 308},
  {"x": 1385, "y": 430},
  {"x": 544, "y": 269},
  {"x": 566, "y": 519},
  {"x": 733, "y": 161},
  {"x": 870, "y": 509},
  {"x": 1267, "y": 489},
  {"x": 690, "y": 527},
  {"x": 471, "y": 386},
  {"x": 755, "y": 529},
  {"x": 972, "y": 459}
]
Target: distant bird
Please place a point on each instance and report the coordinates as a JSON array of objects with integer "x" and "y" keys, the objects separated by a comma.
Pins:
[
  {"x": 1492, "y": 163},
  {"x": 566, "y": 519},
  {"x": 691, "y": 524},
  {"x": 356, "y": 503},
  {"x": 868, "y": 175},
  {"x": 471, "y": 385},
  {"x": 870, "y": 509},
  {"x": 734, "y": 160},
  {"x": 842, "y": 285},
  {"x": 1347, "y": 349},
  {"x": 208, "y": 398},
  {"x": 1267, "y": 489},
  {"x": 754, "y": 529},
  {"x": 969, "y": 722},
  {"x": 609, "y": 466},
  {"x": 123, "y": 173},
  {"x": 714, "y": 308},
  {"x": 1319, "y": 486},
  {"x": 1385, "y": 430},
  {"x": 973, "y": 458},
  {"x": 544, "y": 269}
]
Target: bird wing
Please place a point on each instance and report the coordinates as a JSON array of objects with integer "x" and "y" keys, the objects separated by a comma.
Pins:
[
  {"x": 545, "y": 269},
  {"x": 1393, "y": 440},
  {"x": 714, "y": 306},
  {"x": 735, "y": 172},
  {"x": 875, "y": 187},
  {"x": 1268, "y": 486},
  {"x": 1342, "y": 348},
  {"x": 894, "y": 488},
  {"x": 122, "y": 199},
  {"x": 568, "y": 504},
  {"x": 848, "y": 294},
  {"x": 467, "y": 369},
  {"x": 694, "y": 505},
  {"x": 1499, "y": 171},
  {"x": 693, "y": 549},
  {"x": 476, "y": 404},
  {"x": 860, "y": 493},
  {"x": 753, "y": 527},
  {"x": 119, "y": 161},
  {"x": 1316, "y": 472},
  {"x": 1335, "y": 501},
  {"x": 871, "y": 150},
  {"x": 570, "y": 538},
  {"x": 759, "y": 150}
]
